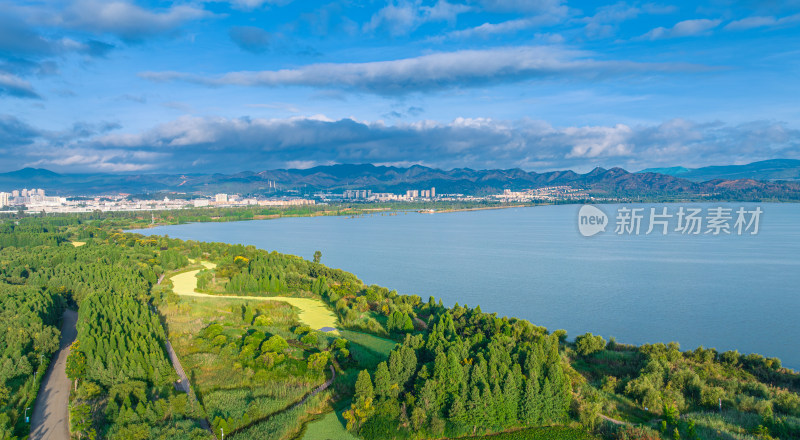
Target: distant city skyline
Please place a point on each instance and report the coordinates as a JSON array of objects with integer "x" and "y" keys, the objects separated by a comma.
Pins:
[{"x": 226, "y": 86}]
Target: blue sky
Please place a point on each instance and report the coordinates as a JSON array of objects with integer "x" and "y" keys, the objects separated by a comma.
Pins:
[{"x": 227, "y": 86}]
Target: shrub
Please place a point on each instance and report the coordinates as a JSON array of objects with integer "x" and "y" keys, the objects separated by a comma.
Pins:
[
  {"x": 588, "y": 343},
  {"x": 788, "y": 403},
  {"x": 609, "y": 384},
  {"x": 271, "y": 359},
  {"x": 310, "y": 339},
  {"x": 275, "y": 344},
  {"x": 317, "y": 361},
  {"x": 262, "y": 321}
]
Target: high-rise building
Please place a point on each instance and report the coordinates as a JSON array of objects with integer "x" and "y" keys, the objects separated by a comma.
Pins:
[
  {"x": 356, "y": 193},
  {"x": 4, "y": 199},
  {"x": 40, "y": 192},
  {"x": 221, "y": 198},
  {"x": 433, "y": 192},
  {"x": 15, "y": 193}
]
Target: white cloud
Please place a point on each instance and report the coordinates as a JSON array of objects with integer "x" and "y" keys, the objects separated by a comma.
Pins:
[
  {"x": 12, "y": 85},
  {"x": 605, "y": 21},
  {"x": 591, "y": 142},
  {"x": 487, "y": 30},
  {"x": 762, "y": 21},
  {"x": 432, "y": 72},
  {"x": 405, "y": 16},
  {"x": 536, "y": 13},
  {"x": 684, "y": 28},
  {"x": 125, "y": 19}
]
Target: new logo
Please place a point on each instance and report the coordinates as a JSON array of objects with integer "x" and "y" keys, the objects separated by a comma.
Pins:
[{"x": 591, "y": 220}]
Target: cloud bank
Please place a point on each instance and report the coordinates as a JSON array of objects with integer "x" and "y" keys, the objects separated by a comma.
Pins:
[
  {"x": 465, "y": 68},
  {"x": 215, "y": 144}
]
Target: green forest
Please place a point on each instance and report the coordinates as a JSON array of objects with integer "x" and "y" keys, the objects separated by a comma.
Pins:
[{"x": 396, "y": 366}]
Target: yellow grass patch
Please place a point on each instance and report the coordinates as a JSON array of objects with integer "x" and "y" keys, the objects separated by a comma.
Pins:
[
  {"x": 313, "y": 312},
  {"x": 185, "y": 283},
  {"x": 78, "y": 243}
]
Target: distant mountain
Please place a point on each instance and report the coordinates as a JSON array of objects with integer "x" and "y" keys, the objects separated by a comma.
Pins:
[
  {"x": 775, "y": 169},
  {"x": 31, "y": 173},
  {"x": 600, "y": 181},
  {"x": 670, "y": 171}
]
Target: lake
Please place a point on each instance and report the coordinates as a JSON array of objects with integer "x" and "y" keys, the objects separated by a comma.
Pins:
[{"x": 727, "y": 291}]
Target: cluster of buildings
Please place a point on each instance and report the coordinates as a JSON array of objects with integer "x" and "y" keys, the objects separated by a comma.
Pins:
[
  {"x": 234, "y": 200},
  {"x": 368, "y": 196},
  {"x": 548, "y": 193},
  {"x": 35, "y": 198},
  {"x": 35, "y": 201}
]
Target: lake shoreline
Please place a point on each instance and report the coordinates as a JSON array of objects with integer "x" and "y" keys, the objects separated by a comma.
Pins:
[{"x": 606, "y": 284}]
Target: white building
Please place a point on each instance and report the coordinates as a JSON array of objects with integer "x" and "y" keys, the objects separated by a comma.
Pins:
[
  {"x": 289, "y": 202},
  {"x": 357, "y": 194},
  {"x": 384, "y": 197},
  {"x": 221, "y": 198}
]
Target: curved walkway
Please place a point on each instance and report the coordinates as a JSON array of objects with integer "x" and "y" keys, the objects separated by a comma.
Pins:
[{"x": 50, "y": 418}]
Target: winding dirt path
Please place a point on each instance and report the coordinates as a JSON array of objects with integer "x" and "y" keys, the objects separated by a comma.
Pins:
[
  {"x": 50, "y": 418},
  {"x": 614, "y": 421}
]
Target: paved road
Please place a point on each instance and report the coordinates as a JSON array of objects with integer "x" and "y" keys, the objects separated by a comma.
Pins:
[
  {"x": 183, "y": 381},
  {"x": 50, "y": 418}
]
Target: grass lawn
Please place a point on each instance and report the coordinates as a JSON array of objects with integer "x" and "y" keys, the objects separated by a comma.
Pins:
[
  {"x": 366, "y": 349},
  {"x": 328, "y": 427}
]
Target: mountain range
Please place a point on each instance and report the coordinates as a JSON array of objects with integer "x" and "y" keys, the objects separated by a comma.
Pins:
[
  {"x": 768, "y": 179},
  {"x": 775, "y": 169}
]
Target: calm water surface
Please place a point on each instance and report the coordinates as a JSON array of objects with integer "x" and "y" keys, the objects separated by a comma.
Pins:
[{"x": 728, "y": 292}]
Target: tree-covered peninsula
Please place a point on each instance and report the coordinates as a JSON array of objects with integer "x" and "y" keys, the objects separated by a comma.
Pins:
[{"x": 275, "y": 346}]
